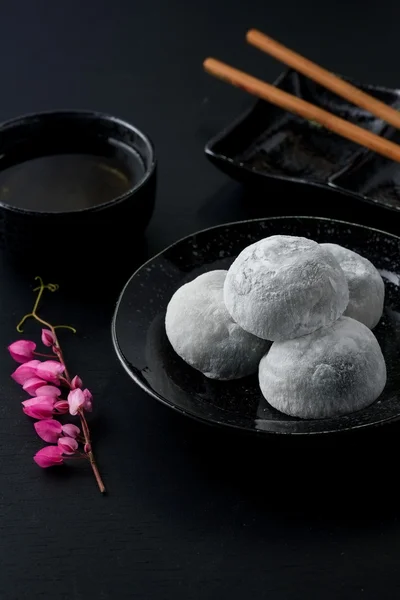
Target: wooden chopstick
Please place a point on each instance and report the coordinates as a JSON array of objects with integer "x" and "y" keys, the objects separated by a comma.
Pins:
[
  {"x": 296, "y": 105},
  {"x": 323, "y": 77}
]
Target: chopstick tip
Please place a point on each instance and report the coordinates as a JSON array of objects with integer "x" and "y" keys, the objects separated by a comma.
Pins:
[
  {"x": 208, "y": 63},
  {"x": 251, "y": 33}
]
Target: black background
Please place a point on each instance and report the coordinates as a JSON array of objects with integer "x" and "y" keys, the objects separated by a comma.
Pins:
[{"x": 192, "y": 512}]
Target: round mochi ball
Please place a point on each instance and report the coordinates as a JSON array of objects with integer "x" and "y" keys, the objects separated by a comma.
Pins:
[
  {"x": 333, "y": 371},
  {"x": 203, "y": 333},
  {"x": 283, "y": 287},
  {"x": 366, "y": 287}
]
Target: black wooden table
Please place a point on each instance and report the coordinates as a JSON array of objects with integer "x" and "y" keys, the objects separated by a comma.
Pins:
[{"x": 192, "y": 512}]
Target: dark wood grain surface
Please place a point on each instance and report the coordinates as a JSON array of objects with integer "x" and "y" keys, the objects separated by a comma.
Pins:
[{"x": 192, "y": 512}]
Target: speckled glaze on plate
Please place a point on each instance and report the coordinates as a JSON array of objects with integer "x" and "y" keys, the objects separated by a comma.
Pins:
[{"x": 143, "y": 348}]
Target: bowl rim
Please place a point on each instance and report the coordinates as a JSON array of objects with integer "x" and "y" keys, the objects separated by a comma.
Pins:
[
  {"x": 86, "y": 114},
  {"x": 230, "y": 426}
]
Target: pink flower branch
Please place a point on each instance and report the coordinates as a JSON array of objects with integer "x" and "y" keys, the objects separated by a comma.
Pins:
[{"x": 43, "y": 380}]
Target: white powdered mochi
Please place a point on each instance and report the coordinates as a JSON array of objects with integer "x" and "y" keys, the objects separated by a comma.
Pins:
[
  {"x": 283, "y": 287},
  {"x": 204, "y": 334},
  {"x": 333, "y": 371},
  {"x": 366, "y": 287}
]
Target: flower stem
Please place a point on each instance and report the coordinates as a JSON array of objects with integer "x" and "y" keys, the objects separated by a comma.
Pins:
[{"x": 86, "y": 434}]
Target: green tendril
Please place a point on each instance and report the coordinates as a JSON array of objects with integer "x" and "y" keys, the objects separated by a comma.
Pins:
[
  {"x": 52, "y": 287},
  {"x": 65, "y": 327}
]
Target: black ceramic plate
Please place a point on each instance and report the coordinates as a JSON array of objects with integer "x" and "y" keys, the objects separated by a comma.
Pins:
[
  {"x": 268, "y": 144},
  {"x": 145, "y": 352}
]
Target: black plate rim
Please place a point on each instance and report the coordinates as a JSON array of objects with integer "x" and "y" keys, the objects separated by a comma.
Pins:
[{"x": 231, "y": 426}]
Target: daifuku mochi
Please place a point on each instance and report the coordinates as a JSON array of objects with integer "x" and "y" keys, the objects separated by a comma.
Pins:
[
  {"x": 366, "y": 287},
  {"x": 333, "y": 371},
  {"x": 203, "y": 333},
  {"x": 283, "y": 287}
]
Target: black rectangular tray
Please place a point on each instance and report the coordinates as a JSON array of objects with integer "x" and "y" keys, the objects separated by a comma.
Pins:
[{"x": 267, "y": 144}]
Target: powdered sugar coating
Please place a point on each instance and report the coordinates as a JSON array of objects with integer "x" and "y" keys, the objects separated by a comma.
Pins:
[
  {"x": 333, "y": 371},
  {"x": 366, "y": 287},
  {"x": 203, "y": 333},
  {"x": 283, "y": 287}
]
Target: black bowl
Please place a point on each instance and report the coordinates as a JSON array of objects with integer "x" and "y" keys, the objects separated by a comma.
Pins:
[
  {"x": 145, "y": 352},
  {"x": 81, "y": 238}
]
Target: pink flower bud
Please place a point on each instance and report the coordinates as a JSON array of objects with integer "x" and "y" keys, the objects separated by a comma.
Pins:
[
  {"x": 87, "y": 448},
  {"x": 76, "y": 400},
  {"x": 48, "y": 337},
  {"x": 49, "y": 430},
  {"x": 88, "y": 405},
  {"x": 71, "y": 430},
  {"x": 68, "y": 445},
  {"x": 50, "y": 370},
  {"x": 76, "y": 382},
  {"x": 61, "y": 407},
  {"x": 22, "y": 350},
  {"x": 25, "y": 372},
  {"x": 49, "y": 456},
  {"x": 48, "y": 390},
  {"x": 39, "y": 408},
  {"x": 32, "y": 386}
]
